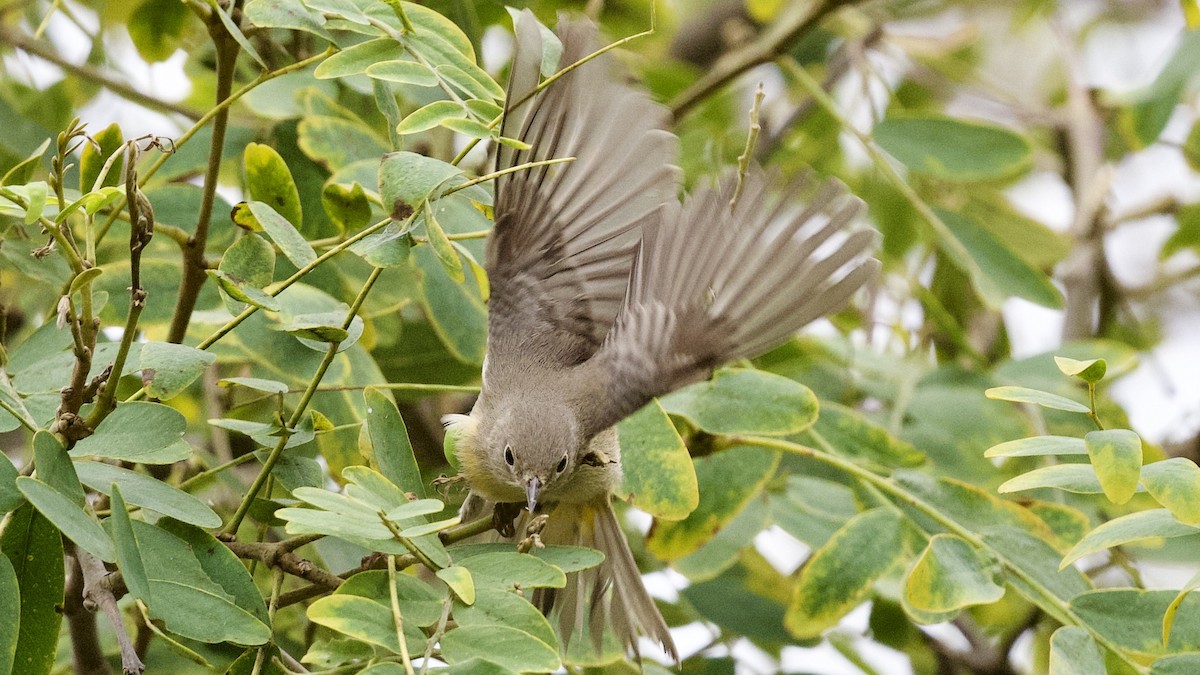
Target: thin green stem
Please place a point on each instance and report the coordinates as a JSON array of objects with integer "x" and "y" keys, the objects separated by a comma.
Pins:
[
  {"x": 298, "y": 414},
  {"x": 512, "y": 169},
  {"x": 27, "y": 423},
  {"x": 208, "y": 473},
  {"x": 1092, "y": 413},
  {"x": 396, "y": 618}
]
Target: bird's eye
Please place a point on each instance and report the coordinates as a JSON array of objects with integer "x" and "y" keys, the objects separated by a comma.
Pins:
[
  {"x": 508, "y": 455},
  {"x": 562, "y": 464}
]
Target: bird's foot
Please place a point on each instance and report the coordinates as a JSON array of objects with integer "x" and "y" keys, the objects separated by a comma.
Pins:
[{"x": 503, "y": 517}]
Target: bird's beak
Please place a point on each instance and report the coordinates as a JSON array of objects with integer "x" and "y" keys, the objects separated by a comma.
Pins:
[{"x": 532, "y": 487}]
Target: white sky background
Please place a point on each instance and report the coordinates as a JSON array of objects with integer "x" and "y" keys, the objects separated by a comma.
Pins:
[{"x": 1162, "y": 395}]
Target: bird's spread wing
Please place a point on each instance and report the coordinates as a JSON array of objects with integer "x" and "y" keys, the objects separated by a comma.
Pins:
[
  {"x": 559, "y": 258},
  {"x": 712, "y": 284}
]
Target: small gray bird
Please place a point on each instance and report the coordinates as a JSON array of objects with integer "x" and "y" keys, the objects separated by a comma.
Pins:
[{"x": 607, "y": 292}]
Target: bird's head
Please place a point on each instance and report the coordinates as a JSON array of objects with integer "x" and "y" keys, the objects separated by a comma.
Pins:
[{"x": 532, "y": 447}]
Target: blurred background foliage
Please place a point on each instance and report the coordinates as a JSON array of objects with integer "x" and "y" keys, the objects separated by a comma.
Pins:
[{"x": 1029, "y": 164}]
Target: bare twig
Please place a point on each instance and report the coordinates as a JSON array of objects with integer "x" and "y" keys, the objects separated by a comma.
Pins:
[
  {"x": 85, "y": 639},
  {"x": 193, "y": 253},
  {"x": 751, "y": 141},
  {"x": 97, "y": 594}
]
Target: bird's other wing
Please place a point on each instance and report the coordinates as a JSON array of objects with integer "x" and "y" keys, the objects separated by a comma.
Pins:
[
  {"x": 713, "y": 284},
  {"x": 558, "y": 260}
]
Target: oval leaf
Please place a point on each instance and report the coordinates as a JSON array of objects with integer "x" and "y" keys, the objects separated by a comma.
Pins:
[
  {"x": 72, "y": 520},
  {"x": 950, "y": 575},
  {"x": 741, "y": 401},
  {"x": 1116, "y": 455},
  {"x": 148, "y": 493},
  {"x": 659, "y": 477},
  {"x": 1175, "y": 483},
  {"x": 827, "y": 587}
]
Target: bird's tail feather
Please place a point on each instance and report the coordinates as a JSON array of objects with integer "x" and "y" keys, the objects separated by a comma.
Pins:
[{"x": 611, "y": 594}]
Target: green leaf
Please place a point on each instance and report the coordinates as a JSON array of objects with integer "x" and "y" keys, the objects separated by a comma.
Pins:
[
  {"x": 387, "y": 248},
  {"x": 1175, "y": 483},
  {"x": 284, "y": 234},
  {"x": 317, "y": 521},
  {"x": 506, "y": 571},
  {"x": 286, "y": 14},
  {"x": 54, "y": 467},
  {"x": 370, "y": 486},
  {"x": 727, "y": 481},
  {"x": 1090, "y": 371},
  {"x": 346, "y": 206},
  {"x": 419, "y": 602},
  {"x": 403, "y": 72},
  {"x": 221, "y": 565},
  {"x": 10, "y": 496},
  {"x": 951, "y": 575},
  {"x": 659, "y": 477},
  {"x": 157, "y": 28},
  {"x": 406, "y": 179},
  {"x": 468, "y": 127},
  {"x": 68, "y": 517},
  {"x": 1074, "y": 652},
  {"x": 171, "y": 368},
  {"x": 241, "y": 292},
  {"x": 335, "y": 143},
  {"x": 455, "y": 311},
  {"x": 508, "y": 647},
  {"x": 1143, "y": 122},
  {"x": 364, "y": 620},
  {"x": 953, "y": 149},
  {"x": 827, "y": 587},
  {"x": 1116, "y": 455},
  {"x": 255, "y": 383},
  {"x": 92, "y": 158},
  {"x": 1188, "y": 233},
  {"x": 1078, "y": 478},
  {"x": 505, "y": 609},
  {"x": 247, "y": 266},
  {"x": 186, "y": 597},
  {"x": 721, "y": 552},
  {"x": 1036, "y": 397},
  {"x": 851, "y": 433},
  {"x": 1038, "y": 446},
  {"x": 1129, "y": 528},
  {"x": 34, "y": 548},
  {"x": 811, "y": 509},
  {"x": 1131, "y": 619},
  {"x": 1179, "y": 664},
  {"x": 235, "y": 32},
  {"x": 269, "y": 180},
  {"x": 460, "y": 581},
  {"x": 999, "y": 272},
  {"x": 139, "y": 431},
  {"x": 391, "y": 451},
  {"x": 12, "y": 399},
  {"x": 442, "y": 247},
  {"x": 129, "y": 554},
  {"x": 359, "y": 58},
  {"x": 741, "y": 401},
  {"x": 10, "y": 607},
  {"x": 1169, "y": 616},
  {"x": 148, "y": 493}
]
